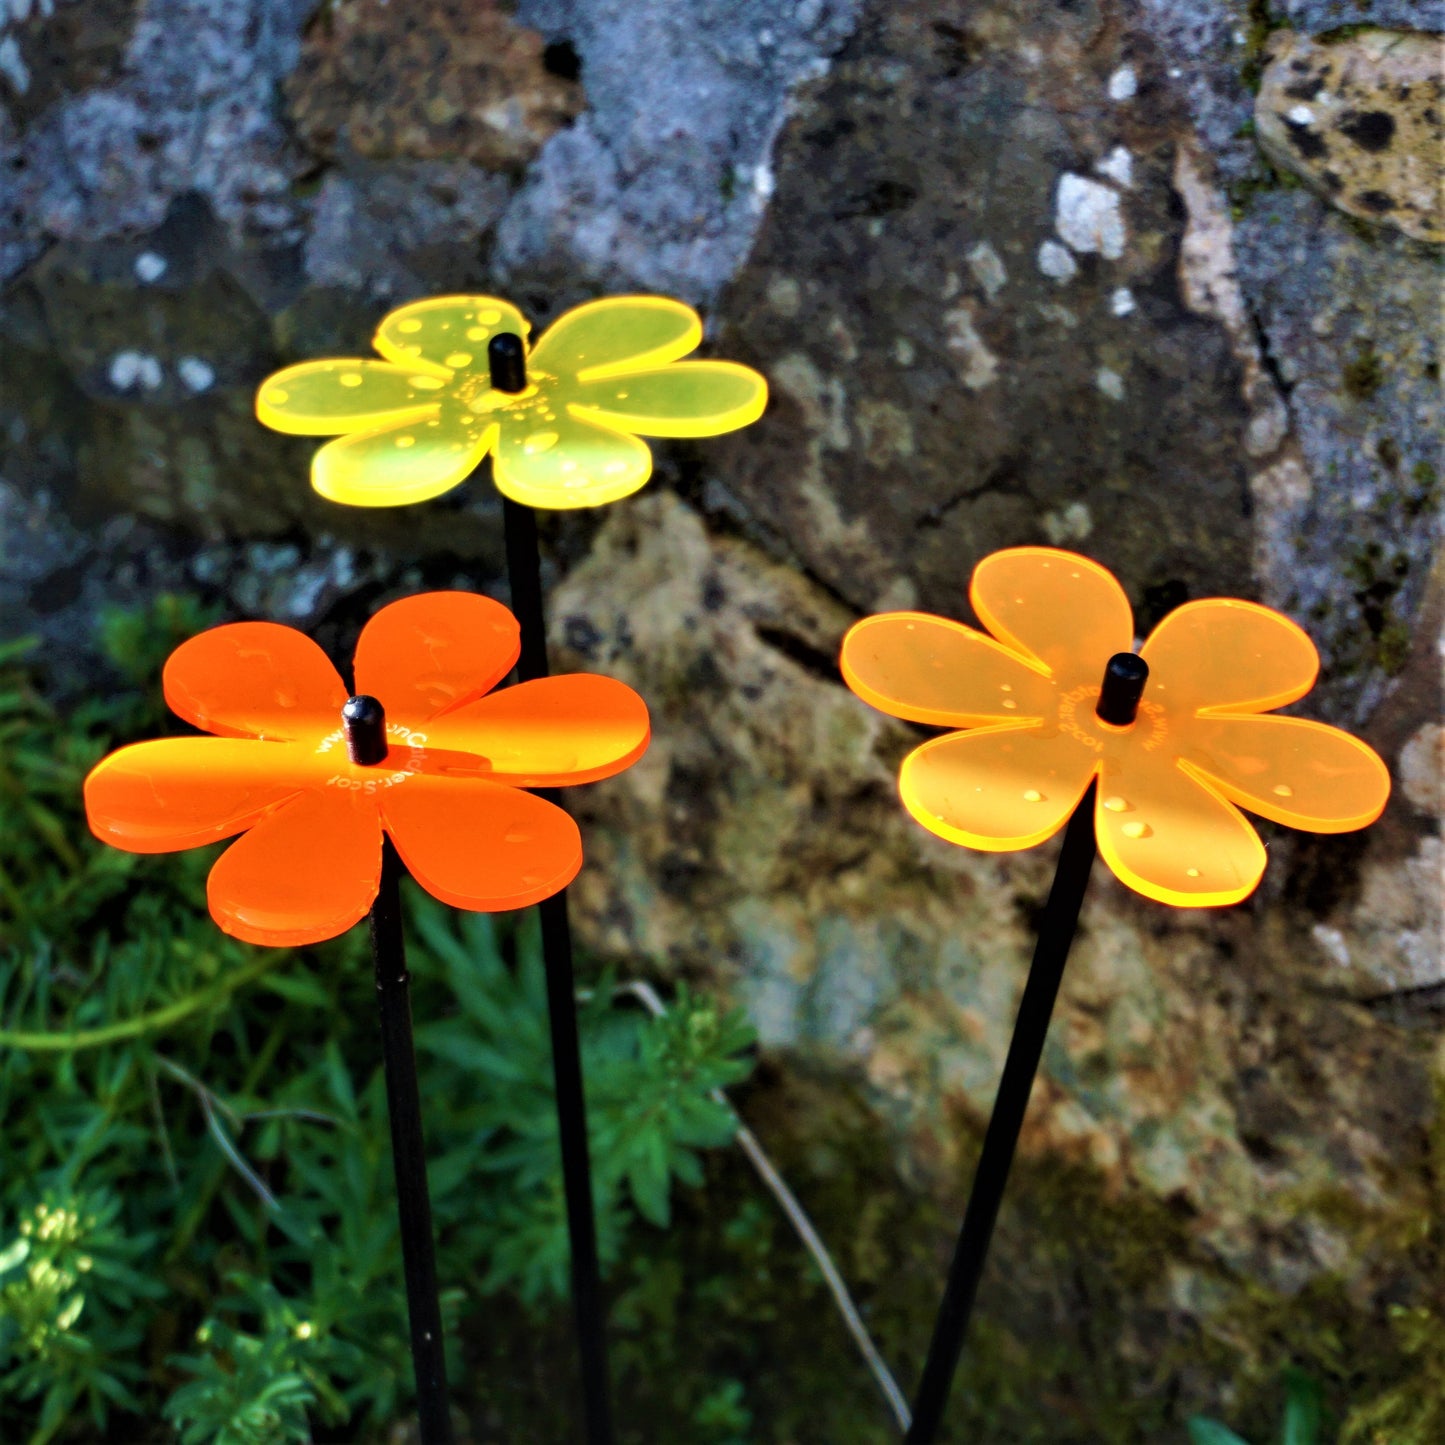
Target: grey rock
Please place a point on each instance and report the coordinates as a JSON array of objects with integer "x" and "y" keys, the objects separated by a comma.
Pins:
[
  {"x": 1318, "y": 17},
  {"x": 663, "y": 180}
]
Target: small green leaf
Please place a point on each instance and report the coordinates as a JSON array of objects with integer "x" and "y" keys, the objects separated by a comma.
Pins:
[{"x": 1211, "y": 1432}]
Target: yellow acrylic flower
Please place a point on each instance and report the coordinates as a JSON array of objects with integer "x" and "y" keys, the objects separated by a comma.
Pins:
[
  {"x": 413, "y": 425},
  {"x": 1028, "y": 741}
]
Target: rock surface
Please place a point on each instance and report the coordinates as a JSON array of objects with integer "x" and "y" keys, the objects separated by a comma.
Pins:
[{"x": 1362, "y": 120}]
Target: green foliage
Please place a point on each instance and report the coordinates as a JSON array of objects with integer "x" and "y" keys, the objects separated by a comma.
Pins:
[
  {"x": 1303, "y": 1413},
  {"x": 197, "y": 1213}
]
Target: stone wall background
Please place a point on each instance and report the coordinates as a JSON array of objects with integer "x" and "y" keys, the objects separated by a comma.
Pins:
[{"x": 1017, "y": 273}]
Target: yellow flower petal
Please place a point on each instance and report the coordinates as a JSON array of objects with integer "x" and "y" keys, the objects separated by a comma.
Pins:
[
  {"x": 1224, "y": 653},
  {"x": 1062, "y": 609},
  {"x": 685, "y": 399},
  {"x": 1171, "y": 837},
  {"x": 615, "y": 335},
  {"x": 398, "y": 464},
  {"x": 447, "y": 333},
  {"x": 568, "y": 463},
  {"x": 996, "y": 789},
  {"x": 327, "y": 398},
  {"x": 1300, "y": 773},
  {"x": 934, "y": 670}
]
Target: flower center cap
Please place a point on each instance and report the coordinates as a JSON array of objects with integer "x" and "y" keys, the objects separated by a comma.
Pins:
[
  {"x": 507, "y": 360},
  {"x": 1124, "y": 677},
  {"x": 364, "y": 720}
]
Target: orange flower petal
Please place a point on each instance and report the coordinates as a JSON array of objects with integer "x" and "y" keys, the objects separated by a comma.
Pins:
[
  {"x": 432, "y": 652},
  {"x": 554, "y": 731},
  {"x": 616, "y": 334},
  {"x": 304, "y": 873},
  {"x": 1173, "y": 838},
  {"x": 996, "y": 789},
  {"x": 479, "y": 845},
  {"x": 253, "y": 679},
  {"x": 1223, "y": 653},
  {"x": 933, "y": 670},
  {"x": 447, "y": 333},
  {"x": 173, "y": 793},
  {"x": 1300, "y": 773},
  {"x": 1062, "y": 609}
]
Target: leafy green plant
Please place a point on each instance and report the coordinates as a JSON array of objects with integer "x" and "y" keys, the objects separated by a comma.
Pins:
[
  {"x": 197, "y": 1221},
  {"x": 1303, "y": 1415}
]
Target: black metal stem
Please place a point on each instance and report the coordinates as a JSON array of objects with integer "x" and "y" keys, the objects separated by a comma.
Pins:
[
  {"x": 408, "y": 1154},
  {"x": 524, "y": 570},
  {"x": 1124, "y": 679}
]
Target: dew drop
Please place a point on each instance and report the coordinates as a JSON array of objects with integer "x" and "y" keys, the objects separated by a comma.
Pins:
[
  {"x": 1033, "y": 796},
  {"x": 1007, "y": 687},
  {"x": 612, "y": 468},
  {"x": 540, "y": 441},
  {"x": 406, "y": 441},
  {"x": 1192, "y": 872},
  {"x": 277, "y": 397},
  {"x": 459, "y": 358},
  {"x": 351, "y": 378},
  {"x": 622, "y": 395},
  {"x": 1008, "y": 702},
  {"x": 1116, "y": 804},
  {"x": 1136, "y": 829},
  {"x": 409, "y": 327},
  {"x": 517, "y": 835},
  {"x": 568, "y": 465},
  {"x": 489, "y": 318},
  {"x": 1283, "y": 790},
  {"x": 425, "y": 383}
]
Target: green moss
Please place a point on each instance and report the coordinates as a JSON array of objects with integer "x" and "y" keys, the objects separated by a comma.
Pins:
[{"x": 1364, "y": 373}]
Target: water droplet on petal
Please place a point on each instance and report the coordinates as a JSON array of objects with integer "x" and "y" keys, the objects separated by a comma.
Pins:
[
  {"x": 1283, "y": 790},
  {"x": 351, "y": 378},
  {"x": 1116, "y": 804},
  {"x": 489, "y": 318},
  {"x": 406, "y": 441},
  {"x": 1008, "y": 702},
  {"x": 278, "y": 397},
  {"x": 1006, "y": 687},
  {"x": 1192, "y": 872},
  {"x": 459, "y": 358},
  {"x": 568, "y": 465},
  {"x": 409, "y": 326},
  {"x": 425, "y": 383},
  {"x": 1033, "y": 796},
  {"x": 612, "y": 468},
  {"x": 517, "y": 835},
  {"x": 1136, "y": 829},
  {"x": 540, "y": 441},
  {"x": 622, "y": 396},
  {"x": 477, "y": 333}
]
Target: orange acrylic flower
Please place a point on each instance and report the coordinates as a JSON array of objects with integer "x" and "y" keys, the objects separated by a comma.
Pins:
[
  {"x": 450, "y": 792},
  {"x": 1203, "y": 742}
]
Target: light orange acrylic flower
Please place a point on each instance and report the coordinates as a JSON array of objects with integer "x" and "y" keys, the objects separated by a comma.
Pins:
[
  {"x": 1168, "y": 785},
  {"x": 450, "y": 792}
]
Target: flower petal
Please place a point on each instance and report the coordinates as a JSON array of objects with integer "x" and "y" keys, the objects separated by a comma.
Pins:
[
  {"x": 399, "y": 464},
  {"x": 326, "y": 398},
  {"x": 479, "y": 845},
  {"x": 686, "y": 399},
  {"x": 447, "y": 333},
  {"x": 303, "y": 874},
  {"x": 615, "y": 335},
  {"x": 1062, "y": 609},
  {"x": 1223, "y": 653},
  {"x": 996, "y": 789},
  {"x": 174, "y": 793},
  {"x": 569, "y": 463},
  {"x": 1171, "y": 837},
  {"x": 548, "y": 733},
  {"x": 254, "y": 679},
  {"x": 934, "y": 670},
  {"x": 432, "y": 652},
  {"x": 1300, "y": 773}
]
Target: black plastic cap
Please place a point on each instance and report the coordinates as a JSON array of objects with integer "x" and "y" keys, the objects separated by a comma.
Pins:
[
  {"x": 507, "y": 358},
  {"x": 1124, "y": 680},
  {"x": 365, "y": 722}
]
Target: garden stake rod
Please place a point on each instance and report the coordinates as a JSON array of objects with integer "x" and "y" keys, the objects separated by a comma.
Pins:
[
  {"x": 506, "y": 356},
  {"x": 1118, "y": 705},
  {"x": 365, "y": 725}
]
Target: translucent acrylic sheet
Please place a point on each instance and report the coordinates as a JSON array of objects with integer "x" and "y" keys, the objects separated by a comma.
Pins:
[
  {"x": 414, "y": 425},
  {"x": 1170, "y": 785}
]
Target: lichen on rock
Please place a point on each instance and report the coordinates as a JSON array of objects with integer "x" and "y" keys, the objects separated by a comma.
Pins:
[{"x": 1362, "y": 120}]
